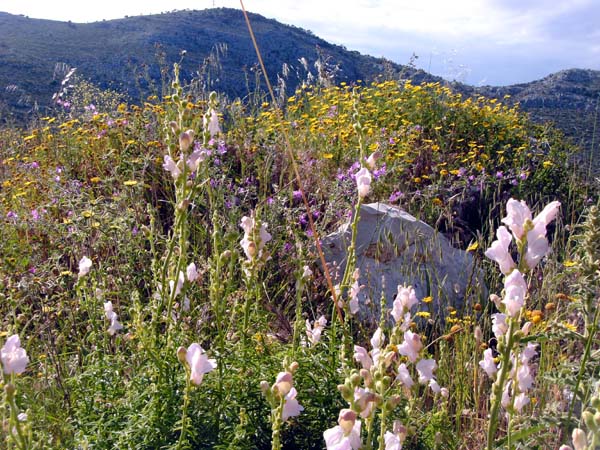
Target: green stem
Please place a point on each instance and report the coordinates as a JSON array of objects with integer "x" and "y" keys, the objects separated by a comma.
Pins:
[
  {"x": 186, "y": 402},
  {"x": 498, "y": 386}
]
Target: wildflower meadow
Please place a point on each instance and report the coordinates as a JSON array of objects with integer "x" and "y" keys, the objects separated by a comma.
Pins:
[{"x": 163, "y": 282}]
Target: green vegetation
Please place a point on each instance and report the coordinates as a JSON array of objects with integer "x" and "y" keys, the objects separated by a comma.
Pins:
[{"x": 117, "y": 215}]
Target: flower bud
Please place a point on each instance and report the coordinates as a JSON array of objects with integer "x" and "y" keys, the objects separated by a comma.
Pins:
[
  {"x": 526, "y": 328},
  {"x": 372, "y": 159},
  {"x": 294, "y": 366},
  {"x": 579, "y": 439},
  {"x": 366, "y": 375},
  {"x": 185, "y": 139},
  {"x": 497, "y": 301},
  {"x": 345, "y": 392},
  {"x": 478, "y": 334},
  {"x": 174, "y": 126},
  {"x": 264, "y": 387},
  {"x": 346, "y": 420},
  {"x": 181, "y": 355},
  {"x": 355, "y": 379},
  {"x": 283, "y": 383},
  {"x": 588, "y": 419},
  {"x": 400, "y": 431}
]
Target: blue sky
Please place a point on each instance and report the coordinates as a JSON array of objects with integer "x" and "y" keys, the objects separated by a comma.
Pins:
[{"x": 479, "y": 42}]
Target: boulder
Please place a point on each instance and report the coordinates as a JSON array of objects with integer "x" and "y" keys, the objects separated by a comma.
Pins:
[{"x": 394, "y": 248}]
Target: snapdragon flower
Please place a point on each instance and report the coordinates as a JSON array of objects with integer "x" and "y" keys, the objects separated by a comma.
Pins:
[
  {"x": 291, "y": 407},
  {"x": 363, "y": 182},
  {"x": 14, "y": 358},
  {"x": 171, "y": 166},
  {"x": 499, "y": 325},
  {"x": 515, "y": 290},
  {"x": 112, "y": 317},
  {"x": 425, "y": 368},
  {"x": 498, "y": 251},
  {"x": 411, "y": 346},
  {"x": 405, "y": 299},
  {"x": 345, "y": 435},
  {"x": 199, "y": 363},
  {"x": 404, "y": 376},
  {"x": 314, "y": 332},
  {"x": 488, "y": 364},
  {"x": 85, "y": 265}
]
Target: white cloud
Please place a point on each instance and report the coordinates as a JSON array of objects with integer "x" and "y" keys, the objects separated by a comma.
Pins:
[{"x": 499, "y": 40}]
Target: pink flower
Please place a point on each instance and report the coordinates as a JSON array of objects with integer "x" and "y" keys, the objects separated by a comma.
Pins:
[
  {"x": 488, "y": 364},
  {"x": 362, "y": 356},
  {"x": 283, "y": 383},
  {"x": 112, "y": 317},
  {"x": 517, "y": 214},
  {"x": 171, "y": 166},
  {"x": 346, "y": 435},
  {"x": 363, "y": 182},
  {"x": 499, "y": 325},
  {"x": 404, "y": 376},
  {"x": 185, "y": 140},
  {"x": 85, "y": 264},
  {"x": 213, "y": 123},
  {"x": 520, "y": 401},
  {"x": 199, "y": 363},
  {"x": 524, "y": 378},
  {"x": 198, "y": 155},
  {"x": 404, "y": 301},
  {"x": 411, "y": 346},
  {"x": 291, "y": 407},
  {"x": 515, "y": 289},
  {"x": 498, "y": 251},
  {"x": 314, "y": 333},
  {"x": 14, "y": 358},
  {"x": 425, "y": 368},
  {"x": 579, "y": 439},
  {"x": 192, "y": 272},
  {"x": 548, "y": 214}
]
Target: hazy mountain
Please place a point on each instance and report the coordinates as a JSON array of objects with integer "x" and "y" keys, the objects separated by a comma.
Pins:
[{"x": 134, "y": 54}]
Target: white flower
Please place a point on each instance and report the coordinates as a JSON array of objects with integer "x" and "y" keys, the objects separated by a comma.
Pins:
[
  {"x": 517, "y": 214},
  {"x": 198, "y": 155},
  {"x": 520, "y": 401},
  {"x": 283, "y": 383},
  {"x": 425, "y": 368},
  {"x": 14, "y": 358},
  {"x": 404, "y": 301},
  {"x": 579, "y": 439},
  {"x": 177, "y": 286},
  {"x": 524, "y": 378},
  {"x": 404, "y": 376},
  {"x": 171, "y": 166},
  {"x": 291, "y": 407},
  {"x": 314, "y": 333},
  {"x": 499, "y": 325},
  {"x": 192, "y": 272},
  {"x": 363, "y": 182},
  {"x": 435, "y": 387},
  {"x": 505, "y": 400},
  {"x": 85, "y": 264},
  {"x": 199, "y": 363},
  {"x": 498, "y": 251},
  {"x": 306, "y": 273},
  {"x": 411, "y": 346},
  {"x": 392, "y": 442},
  {"x": 364, "y": 399},
  {"x": 213, "y": 124},
  {"x": 537, "y": 245},
  {"x": 528, "y": 352},
  {"x": 112, "y": 317},
  {"x": 362, "y": 356},
  {"x": 22, "y": 417},
  {"x": 346, "y": 435},
  {"x": 488, "y": 364},
  {"x": 515, "y": 289}
]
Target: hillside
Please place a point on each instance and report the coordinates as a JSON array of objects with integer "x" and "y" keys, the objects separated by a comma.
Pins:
[
  {"x": 568, "y": 98},
  {"x": 135, "y": 55},
  {"x": 129, "y": 54}
]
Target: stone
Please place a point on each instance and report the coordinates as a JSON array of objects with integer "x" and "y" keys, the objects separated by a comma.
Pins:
[{"x": 394, "y": 248}]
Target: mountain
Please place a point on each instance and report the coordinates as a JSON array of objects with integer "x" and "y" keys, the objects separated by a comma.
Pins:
[
  {"x": 129, "y": 54},
  {"x": 135, "y": 55},
  {"x": 569, "y": 98}
]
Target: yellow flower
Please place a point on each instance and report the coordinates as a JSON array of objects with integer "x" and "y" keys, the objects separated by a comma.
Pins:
[
  {"x": 130, "y": 183},
  {"x": 428, "y": 299}
]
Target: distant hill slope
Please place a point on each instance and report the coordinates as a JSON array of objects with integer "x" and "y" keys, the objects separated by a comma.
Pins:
[
  {"x": 128, "y": 55},
  {"x": 569, "y": 98},
  {"x": 110, "y": 52}
]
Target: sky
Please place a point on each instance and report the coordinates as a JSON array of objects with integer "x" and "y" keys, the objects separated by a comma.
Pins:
[{"x": 479, "y": 42}]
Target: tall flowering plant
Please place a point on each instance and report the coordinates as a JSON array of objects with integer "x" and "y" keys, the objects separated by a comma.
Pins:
[{"x": 513, "y": 375}]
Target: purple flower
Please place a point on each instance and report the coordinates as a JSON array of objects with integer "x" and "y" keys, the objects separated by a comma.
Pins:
[
  {"x": 380, "y": 172},
  {"x": 499, "y": 175},
  {"x": 221, "y": 148},
  {"x": 270, "y": 201},
  {"x": 396, "y": 196},
  {"x": 35, "y": 215},
  {"x": 11, "y": 215},
  {"x": 297, "y": 195}
]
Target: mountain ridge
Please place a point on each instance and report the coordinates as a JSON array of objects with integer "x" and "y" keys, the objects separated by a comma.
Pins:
[{"x": 133, "y": 53}]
